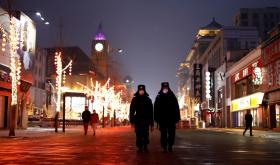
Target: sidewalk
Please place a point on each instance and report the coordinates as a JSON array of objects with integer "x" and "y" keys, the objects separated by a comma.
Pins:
[
  {"x": 267, "y": 134},
  {"x": 38, "y": 132}
]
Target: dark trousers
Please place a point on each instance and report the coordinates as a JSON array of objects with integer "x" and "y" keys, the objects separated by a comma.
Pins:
[
  {"x": 167, "y": 134},
  {"x": 142, "y": 135},
  {"x": 248, "y": 126},
  {"x": 85, "y": 128}
]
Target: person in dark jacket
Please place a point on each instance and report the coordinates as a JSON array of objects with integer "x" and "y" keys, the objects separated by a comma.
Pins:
[
  {"x": 248, "y": 119},
  {"x": 86, "y": 119},
  {"x": 141, "y": 116},
  {"x": 167, "y": 114}
]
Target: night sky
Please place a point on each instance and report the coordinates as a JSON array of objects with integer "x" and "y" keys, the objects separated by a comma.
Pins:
[{"x": 155, "y": 34}]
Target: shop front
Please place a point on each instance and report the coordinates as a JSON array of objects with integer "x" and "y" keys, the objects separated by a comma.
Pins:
[
  {"x": 274, "y": 110},
  {"x": 5, "y": 96},
  {"x": 252, "y": 103}
]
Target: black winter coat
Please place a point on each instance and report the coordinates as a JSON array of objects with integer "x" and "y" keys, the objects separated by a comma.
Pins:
[
  {"x": 248, "y": 119},
  {"x": 141, "y": 110},
  {"x": 86, "y": 116},
  {"x": 166, "y": 108}
]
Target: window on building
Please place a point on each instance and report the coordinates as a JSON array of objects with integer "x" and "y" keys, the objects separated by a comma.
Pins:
[
  {"x": 241, "y": 88},
  {"x": 272, "y": 25},
  {"x": 256, "y": 24},
  {"x": 246, "y": 45},
  {"x": 255, "y": 16},
  {"x": 266, "y": 25},
  {"x": 244, "y": 16},
  {"x": 244, "y": 23}
]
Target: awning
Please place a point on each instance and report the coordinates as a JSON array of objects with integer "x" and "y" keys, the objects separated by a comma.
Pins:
[{"x": 247, "y": 102}]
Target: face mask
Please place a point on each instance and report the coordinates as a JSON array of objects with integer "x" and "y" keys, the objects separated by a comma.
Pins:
[
  {"x": 165, "y": 91},
  {"x": 141, "y": 92}
]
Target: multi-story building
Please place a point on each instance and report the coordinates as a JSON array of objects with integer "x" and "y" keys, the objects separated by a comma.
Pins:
[
  {"x": 245, "y": 92},
  {"x": 37, "y": 90},
  {"x": 229, "y": 45},
  {"x": 271, "y": 76},
  {"x": 262, "y": 18},
  {"x": 189, "y": 73},
  {"x": 26, "y": 27}
]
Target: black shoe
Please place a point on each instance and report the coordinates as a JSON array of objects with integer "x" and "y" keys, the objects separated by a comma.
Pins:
[
  {"x": 251, "y": 135},
  {"x": 243, "y": 133},
  {"x": 146, "y": 149},
  {"x": 139, "y": 151},
  {"x": 164, "y": 150},
  {"x": 170, "y": 149}
]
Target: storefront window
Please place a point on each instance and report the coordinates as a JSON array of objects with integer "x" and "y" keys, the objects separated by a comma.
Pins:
[{"x": 277, "y": 107}]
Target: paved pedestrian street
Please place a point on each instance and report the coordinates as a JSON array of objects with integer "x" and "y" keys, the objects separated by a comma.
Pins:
[{"x": 117, "y": 146}]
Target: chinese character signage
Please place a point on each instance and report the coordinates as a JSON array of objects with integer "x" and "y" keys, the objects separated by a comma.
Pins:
[
  {"x": 254, "y": 69},
  {"x": 197, "y": 81}
]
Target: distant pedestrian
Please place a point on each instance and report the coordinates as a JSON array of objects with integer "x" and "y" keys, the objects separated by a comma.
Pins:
[
  {"x": 167, "y": 114},
  {"x": 86, "y": 119},
  {"x": 141, "y": 116},
  {"x": 94, "y": 121},
  {"x": 249, "y": 120}
]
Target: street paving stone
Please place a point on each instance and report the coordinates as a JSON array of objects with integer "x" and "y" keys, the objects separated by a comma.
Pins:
[{"x": 117, "y": 146}]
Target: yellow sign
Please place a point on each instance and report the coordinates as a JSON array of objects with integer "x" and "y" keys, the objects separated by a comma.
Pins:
[{"x": 247, "y": 102}]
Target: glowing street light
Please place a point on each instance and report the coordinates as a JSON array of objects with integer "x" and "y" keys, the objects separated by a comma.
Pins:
[{"x": 38, "y": 14}]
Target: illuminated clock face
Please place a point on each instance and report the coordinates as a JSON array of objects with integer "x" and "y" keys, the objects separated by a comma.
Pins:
[{"x": 99, "y": 47}]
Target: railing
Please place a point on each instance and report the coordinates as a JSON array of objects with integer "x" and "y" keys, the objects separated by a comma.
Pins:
[{"x": 49, "y": 122}]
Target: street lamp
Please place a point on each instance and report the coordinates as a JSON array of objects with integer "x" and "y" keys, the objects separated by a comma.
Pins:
[{"x": 113, "y": 61}]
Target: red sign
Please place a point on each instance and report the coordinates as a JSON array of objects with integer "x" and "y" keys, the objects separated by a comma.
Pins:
[
  {"x": 271, "y": 52},
  {"x": 245, "y": 72}
]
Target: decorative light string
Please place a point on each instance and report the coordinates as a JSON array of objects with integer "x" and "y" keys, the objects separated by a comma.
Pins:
[
  {"x": 14, "y": 61},
  {"x": 59, "y": 78},
  {"x": 107, "y": 97}
]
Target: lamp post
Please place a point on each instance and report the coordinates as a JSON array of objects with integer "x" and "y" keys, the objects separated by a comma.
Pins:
[{"x": 111, "y": 52}]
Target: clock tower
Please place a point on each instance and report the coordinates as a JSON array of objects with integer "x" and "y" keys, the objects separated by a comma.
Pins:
[{"x": 99, "y": 54}]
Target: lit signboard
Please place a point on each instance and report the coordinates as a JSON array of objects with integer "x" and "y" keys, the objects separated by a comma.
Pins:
[{"x": 247, "y": 102}]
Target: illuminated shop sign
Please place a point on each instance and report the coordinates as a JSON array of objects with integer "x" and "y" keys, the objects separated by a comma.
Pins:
[
  {"x": 254, "y": 69},
  {"x": 197, "y": 76},
  {"x": 248, "y": 102},
  {"x": 207, "y": 85}
]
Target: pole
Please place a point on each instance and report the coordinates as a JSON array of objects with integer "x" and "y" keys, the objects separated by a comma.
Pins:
[
  {"x": 13, "y": 120},
  {"x": 114, "y": 118},
  {"x": 63, "y": 120},
  {"x": 56, "y": 122},
  {"x": 103, "y": 122}
]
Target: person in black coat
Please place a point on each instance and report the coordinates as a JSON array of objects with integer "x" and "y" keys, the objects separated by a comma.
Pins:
[
  {"x": 86, "y": 119},
  {"x": 249, "y": 120},
  {"x": 167, "y": 114},
  {"x": 141, "y": 116}
]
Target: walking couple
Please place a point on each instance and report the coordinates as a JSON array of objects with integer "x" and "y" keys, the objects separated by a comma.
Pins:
[
  {"x": 91, "y": 119},
  {"x": 165, "y": 112}
]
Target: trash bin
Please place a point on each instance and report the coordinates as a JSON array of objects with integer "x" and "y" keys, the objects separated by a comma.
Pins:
[
  {"x": 193, "y": 123},
  {"x": 201, "y": 124}
]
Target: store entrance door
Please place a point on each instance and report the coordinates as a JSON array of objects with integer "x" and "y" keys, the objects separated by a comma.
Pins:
[
  {"x": 272, "y": 116},
  {"x": 3, "y": 111}
]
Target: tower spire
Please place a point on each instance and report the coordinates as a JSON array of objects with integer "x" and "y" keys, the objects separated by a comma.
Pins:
[{"x": 99, "y": 34}]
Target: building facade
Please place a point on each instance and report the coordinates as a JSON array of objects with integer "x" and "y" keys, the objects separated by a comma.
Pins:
[
  {"x": 262, "y": 18},
  {"x": 245, "y": 80},
  {"x": 228, "y": 47},
  {"x": 38, "y": 95},
  {"x": 271, "y": 76},
  {"x": 26, "y": 52}
]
